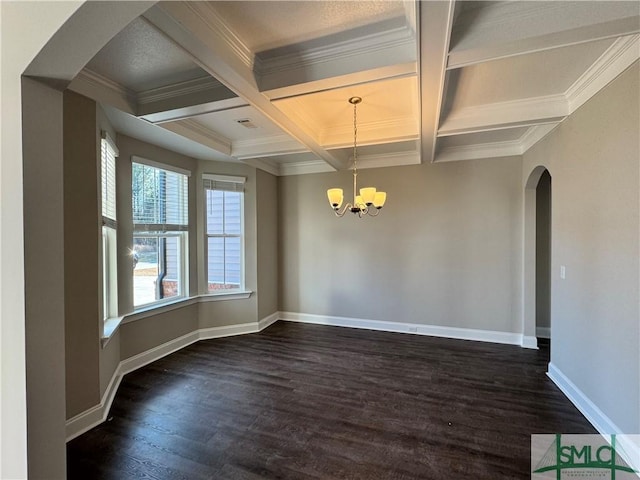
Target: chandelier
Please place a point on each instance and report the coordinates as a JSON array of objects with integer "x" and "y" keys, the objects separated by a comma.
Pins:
[{"x": 370, "y": 201}]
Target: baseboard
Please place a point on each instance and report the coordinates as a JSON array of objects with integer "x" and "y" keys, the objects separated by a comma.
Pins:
[
  {"x": 227, "y": 331},
  {"x": 268, "y": 320},
  {"x": 416, "y": 329},
  {"x": 94, "y": 416},
  {"x": 602, "y": 423},
  {"x": 156, "y": 353},
  {"x": 529, "y": 342},
  {"x": 88, "y": 419},
  {"x": 543, "y": 332}
]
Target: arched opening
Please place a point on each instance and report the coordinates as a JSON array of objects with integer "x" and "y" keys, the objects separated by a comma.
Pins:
[
  {"x": 537, "y": 258},
  {"x": 34, "y": 432},
  {"x": 543, "y": 259}
]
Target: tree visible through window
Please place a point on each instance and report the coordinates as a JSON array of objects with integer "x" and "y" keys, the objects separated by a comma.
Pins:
[
  {"x": 160, "y": 224},
  {"x": 224, "y": 231}
]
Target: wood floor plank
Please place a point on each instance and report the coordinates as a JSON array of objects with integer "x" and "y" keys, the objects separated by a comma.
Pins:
[{"x": 315, "y": 402}]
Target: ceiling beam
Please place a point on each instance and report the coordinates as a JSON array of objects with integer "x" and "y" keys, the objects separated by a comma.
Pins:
[
  {"x": 196, "y": 27},
  {"x": 497, "y": 116},
  {"x": 358, "y": 78},
  {"x": 436, "y": 22}
]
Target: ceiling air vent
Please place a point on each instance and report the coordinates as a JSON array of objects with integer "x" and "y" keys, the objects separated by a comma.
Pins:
[{"x": 247, "y": 123}]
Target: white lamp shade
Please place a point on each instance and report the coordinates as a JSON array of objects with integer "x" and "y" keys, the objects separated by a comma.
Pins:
[
  {"x": 379, "y": 199},
  {"x": 335, "y": 197},
  {"x": 359, "y": 203},
  {"x": 368, "y": 194}
]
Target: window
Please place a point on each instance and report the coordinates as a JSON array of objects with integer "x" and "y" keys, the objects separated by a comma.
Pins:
[
  {"x": 224, "y": 197},
  {"x": 160, "y": 226},
  {"x": 108, "y": 155}
]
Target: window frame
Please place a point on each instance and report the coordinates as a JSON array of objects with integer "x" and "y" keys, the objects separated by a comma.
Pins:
[
  {"x": 109, "y": 226},
  {"x": 224, "y": 183},
  {"x": 165, "y": 230}
]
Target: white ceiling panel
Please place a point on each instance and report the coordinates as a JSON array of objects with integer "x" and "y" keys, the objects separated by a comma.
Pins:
[
  {"x": 538, "y": 74},
  {"x": 265, "y": 25}
]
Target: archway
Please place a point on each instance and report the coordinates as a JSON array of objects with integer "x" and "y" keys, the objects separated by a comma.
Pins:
[
  {"x": 537, "y": 257},
  {"x": 40, "y": 66}
]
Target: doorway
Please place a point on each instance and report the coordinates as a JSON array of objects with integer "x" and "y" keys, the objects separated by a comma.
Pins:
[
  {"x": 536, "y": 314},
  {"x": 543, "y": 260}
]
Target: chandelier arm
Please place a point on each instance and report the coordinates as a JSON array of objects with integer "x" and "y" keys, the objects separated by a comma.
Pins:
[
  {"x": 345, "y": 209},
  {"x": 376, "y": 211}
]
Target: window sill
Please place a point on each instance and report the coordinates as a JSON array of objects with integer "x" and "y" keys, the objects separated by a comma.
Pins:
[
  {"x": 111, "y": 325},
  {"x": 217, "y": 297}
]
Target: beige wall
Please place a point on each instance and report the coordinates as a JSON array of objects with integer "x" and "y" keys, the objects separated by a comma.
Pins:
[
  {"x": 82, "y": 258},
  {"x": 593, "y": 157},
  {"x": 267, "y": 243},
  {"x": 443, "y": 251},
  {"x": 147, "y": 333},
  {"x": 44, "y": 278}
]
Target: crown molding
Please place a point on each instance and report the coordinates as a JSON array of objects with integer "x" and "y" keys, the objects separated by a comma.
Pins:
[
  {"x": 208, "y": 14},
  {"x": 387, "y": 43},
  {"x": 302, "y": 168},
  {"x": 265, "y": 147},
  {"x": 519, "y": 112},
  {"x": 394, "y": 159},
  {"x": 496, "y": 149},
  {"x": 535, "y": 134},
  {"x": 617, "y": 58},
  {"x": 188, "y": 87},
  {"x": 263, "y": 164},
  {"x": 196, "y": 132},
  {"x": 478, "y": 151},
  {"x": 309, "y": 54},
  {"x": 102, "y": 89}
]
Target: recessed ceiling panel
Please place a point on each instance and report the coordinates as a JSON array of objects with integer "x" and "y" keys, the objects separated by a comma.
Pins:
[
  {"x": 141, "y": 58},
  {"x": 264, "y": 25},
  {"x": 525, "y": 76},
  {"x": 389, "y": 112}
]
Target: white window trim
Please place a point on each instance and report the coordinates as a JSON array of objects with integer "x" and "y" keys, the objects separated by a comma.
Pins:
[
  {"x": 242, "y": 288},
  {"x": 161, "y": 166},
  {"x": 108, "y": 237},
  {"x": 167, "y": 230}
]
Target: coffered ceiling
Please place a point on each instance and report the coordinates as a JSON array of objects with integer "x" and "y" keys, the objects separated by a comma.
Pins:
[{"x": 268, "y": 82}]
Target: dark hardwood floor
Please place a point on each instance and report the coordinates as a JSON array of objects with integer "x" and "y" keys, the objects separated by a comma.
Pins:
[{"x": 314, "y": 402}]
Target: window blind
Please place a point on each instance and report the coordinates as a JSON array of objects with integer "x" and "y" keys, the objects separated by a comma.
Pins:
[
  {"x": 224, "y": 183},
  {"x": 108, "y": 180},
  {"x": 159, "y": 199}
]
